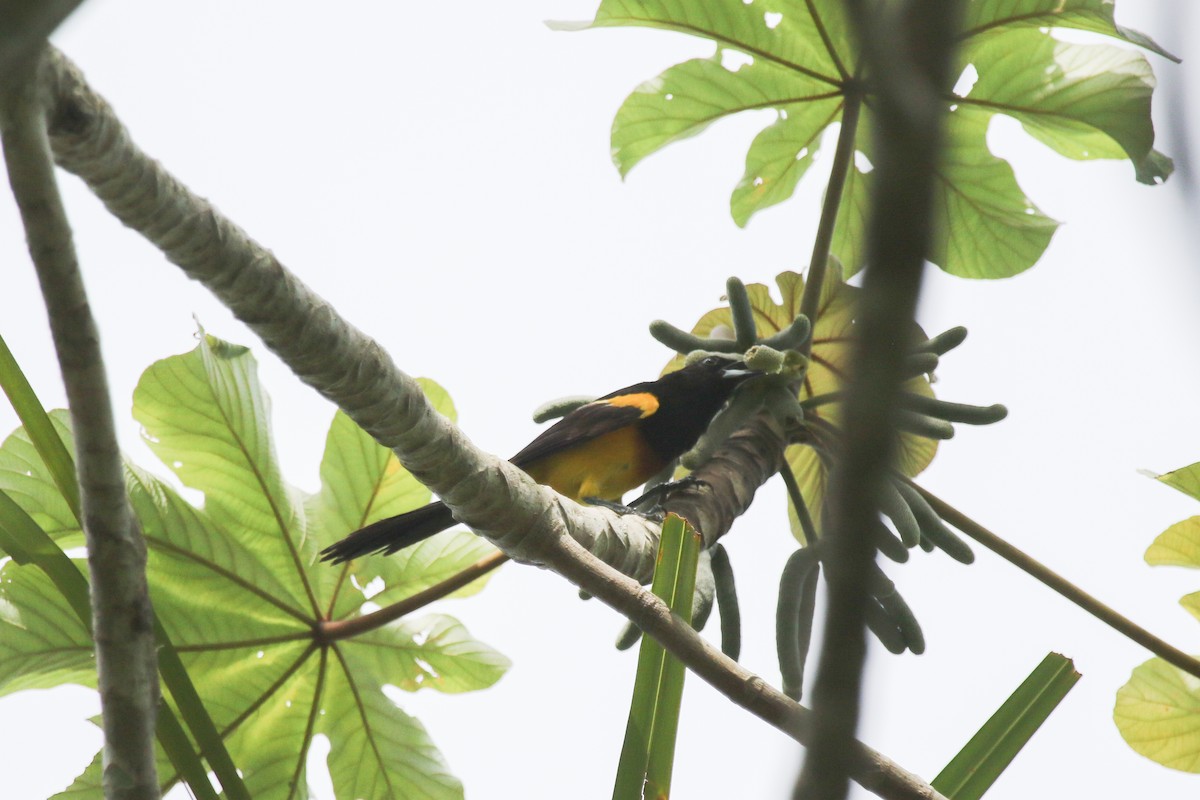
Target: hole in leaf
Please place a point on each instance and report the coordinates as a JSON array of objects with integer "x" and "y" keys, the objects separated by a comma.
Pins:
[
  {"x": 966, "y": 81},
  {"x": 772, "y": 19},
  {"x": 733, "y": 60},
  {"x": 863, "y": 163}
]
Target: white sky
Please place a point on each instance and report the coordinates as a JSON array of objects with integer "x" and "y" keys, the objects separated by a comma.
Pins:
[{"x": 441, "y": 173}]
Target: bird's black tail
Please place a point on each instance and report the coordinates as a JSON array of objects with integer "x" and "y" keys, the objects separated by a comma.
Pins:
[{"x": 391, "y": 534}]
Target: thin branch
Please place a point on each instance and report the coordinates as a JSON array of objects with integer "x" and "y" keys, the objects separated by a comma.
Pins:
[
  {"x": 1051, "y": 579},
  {"x": 332, "y": 631},
  {"x": 839, "y": 175},
  {"x": 915, "y": 45},
  {"x": 122, "y": 619}
]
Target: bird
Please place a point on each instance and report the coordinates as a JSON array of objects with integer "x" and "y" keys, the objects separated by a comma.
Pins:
[{"x": 594, "y": 454}]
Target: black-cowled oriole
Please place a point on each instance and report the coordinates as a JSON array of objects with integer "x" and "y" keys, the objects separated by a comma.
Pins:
[{"x": 599, "y": 451}]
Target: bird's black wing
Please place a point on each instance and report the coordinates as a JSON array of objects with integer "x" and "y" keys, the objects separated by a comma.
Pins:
[{"x": 588, "y": 422}]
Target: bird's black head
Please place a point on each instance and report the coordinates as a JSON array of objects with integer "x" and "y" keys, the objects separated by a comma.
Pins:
[
  {"x": 728, "y": 370},
  {"x": 689, "y": 398}
]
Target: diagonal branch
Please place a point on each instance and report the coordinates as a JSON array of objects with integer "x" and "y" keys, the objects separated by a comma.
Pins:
[
  {"x": 335, "y": 630},
  {"x": 1051, "y": 579},
  {"x": 122, "y": 620}
]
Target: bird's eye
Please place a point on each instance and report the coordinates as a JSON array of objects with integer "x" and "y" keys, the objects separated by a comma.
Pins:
[{"x": 712, "y": 361}]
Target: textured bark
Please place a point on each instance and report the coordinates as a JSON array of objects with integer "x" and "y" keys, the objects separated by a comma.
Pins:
[
  {"x": 729, "y": 480},
  {"x": 122, "y": 620}
]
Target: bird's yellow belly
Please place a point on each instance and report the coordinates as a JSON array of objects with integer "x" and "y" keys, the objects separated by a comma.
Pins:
[{"x": 604, "y": 468}]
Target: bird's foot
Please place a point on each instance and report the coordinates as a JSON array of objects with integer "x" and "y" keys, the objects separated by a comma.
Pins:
[
  {"x": 660, "y": 493},
  {"x": 654, "y": 514}
]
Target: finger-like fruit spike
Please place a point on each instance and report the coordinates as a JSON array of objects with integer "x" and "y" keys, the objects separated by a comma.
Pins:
[
  {"x": 951, "y": 544},
  {"x": 684, "y": 342},
  {"x": 792, "y": 336},
  {"x": 794, "y": 362},
  {"x": 944, "y": 342},
  {"x": 933, "y": 530},
  {"x": 884, "y": 627},
  {"x": 727, "y": 603},
  {"x": 953, "y": 412},
  {"x": 893, "y": 504},
  {"x": 784, "y": 406},
  {"x": 560, "y": 407},
  {"x": 764, "y": 358},
  {"x": 925, "y": 426},
  {"x": 630, "y": 635},
  {"x": 705, "y": 591},
  {"x": 794, "y": 618},
  {"x": 745, "y": 332},
  {"x": 887, "y": 543},
  {"x": 918, "y": 364},
  {"x": 900, "y": 613}
]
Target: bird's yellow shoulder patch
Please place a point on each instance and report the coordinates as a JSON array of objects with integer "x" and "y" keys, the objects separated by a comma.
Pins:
[{"x": 644, "y": 402}]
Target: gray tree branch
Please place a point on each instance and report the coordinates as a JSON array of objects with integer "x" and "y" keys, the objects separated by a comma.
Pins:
[{"x": 122, "y": 620}]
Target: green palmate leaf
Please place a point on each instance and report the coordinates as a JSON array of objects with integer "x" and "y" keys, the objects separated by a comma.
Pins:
[
  {"x": 205, "y": 415},
  {"x": 1085, "y": 101},
  {"x": 362, "y": 482},
  {"x": 252, "y": 616},
  {"x": 49, "y": 446},
  {"x": 376, "y": 749},
  {"x": 682, "y": 101},
  {"x": 42, "y": 641},
  {"x": 433, "y": 651},
  {"x": 1186, "y": 480},
  {"x": 1177, "y": 546},
  {"x": 825, "y": 375},
  {"x": 1158, "y": 710},
  {"x": 25, "y": 478},
  {"x": 28, "y": 544},
  {"x": 977, "y": 766},
  {"x": 1084, "y": 15},
  {"x": 41, "y": 556},
  {"x": 984, "y": 225},
  {"x": 780, "y": 155},
  {"x": 1158, "y": 714}
]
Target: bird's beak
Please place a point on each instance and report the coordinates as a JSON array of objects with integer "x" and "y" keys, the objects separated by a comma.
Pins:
[{"x": 739, "y": 371}]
